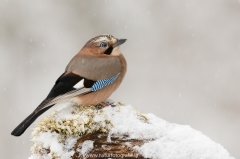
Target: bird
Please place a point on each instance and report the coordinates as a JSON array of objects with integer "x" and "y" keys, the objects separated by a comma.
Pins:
[{"x": 90, "y": 77}]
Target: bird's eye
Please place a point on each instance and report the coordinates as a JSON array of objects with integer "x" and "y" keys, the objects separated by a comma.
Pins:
[{"x": 103, "y": 44}]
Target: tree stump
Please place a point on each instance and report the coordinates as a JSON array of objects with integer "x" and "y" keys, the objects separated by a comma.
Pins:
[{"x": 117, "y": 131}]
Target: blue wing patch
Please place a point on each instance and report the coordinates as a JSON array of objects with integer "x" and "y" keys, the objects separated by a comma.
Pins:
[{"x": 103, "y": 83}]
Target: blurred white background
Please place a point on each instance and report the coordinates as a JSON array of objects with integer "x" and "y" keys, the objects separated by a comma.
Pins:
[{"x": 183, "y": 60}]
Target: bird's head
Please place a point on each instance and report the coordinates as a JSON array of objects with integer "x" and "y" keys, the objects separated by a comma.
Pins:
[{"x": 104, "y": 44}]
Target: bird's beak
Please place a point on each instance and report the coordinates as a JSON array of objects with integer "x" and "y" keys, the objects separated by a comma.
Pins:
[{"x": 119, "y": 42}]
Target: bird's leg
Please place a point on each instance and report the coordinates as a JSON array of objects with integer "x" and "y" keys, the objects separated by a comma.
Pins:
[
  {"x": 102, "y": 105},
  {"x": 112, "y": 104}
]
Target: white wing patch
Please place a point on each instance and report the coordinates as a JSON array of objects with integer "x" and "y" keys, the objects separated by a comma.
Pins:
[
  {"x": 79, "y": 84},
  {"x": 67, "y": 95}
]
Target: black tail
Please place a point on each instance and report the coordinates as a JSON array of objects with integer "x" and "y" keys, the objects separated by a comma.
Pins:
[{"x": 19, "y": 130}]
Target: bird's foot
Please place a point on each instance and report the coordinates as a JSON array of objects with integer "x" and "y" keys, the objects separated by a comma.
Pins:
[
  {"x": 102, "y": 105},
  {"x": 105, "y": 104}
]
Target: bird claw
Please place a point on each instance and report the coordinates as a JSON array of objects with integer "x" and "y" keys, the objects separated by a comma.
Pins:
[
  {"x": 105, "y": 104},
  {"x": 101, "y": 105}
]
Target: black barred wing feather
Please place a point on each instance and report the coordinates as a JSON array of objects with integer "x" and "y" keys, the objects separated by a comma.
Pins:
[{"x": 64, "y": 84}]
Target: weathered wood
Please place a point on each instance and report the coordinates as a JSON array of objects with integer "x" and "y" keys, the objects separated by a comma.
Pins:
[{"x": 118, "y": 147}]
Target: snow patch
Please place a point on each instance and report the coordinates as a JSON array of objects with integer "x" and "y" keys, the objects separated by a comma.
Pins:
[
  {"x": 46, "y": 146},
  {"x": 85, "y": 147}
]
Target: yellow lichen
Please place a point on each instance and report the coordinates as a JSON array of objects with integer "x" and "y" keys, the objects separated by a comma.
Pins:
[
  {"x": 81, "y": 122},
  {"x": 141, "y": 116}
]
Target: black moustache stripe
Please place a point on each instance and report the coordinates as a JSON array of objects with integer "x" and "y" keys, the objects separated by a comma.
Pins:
[{"x": 109, "y": 50}]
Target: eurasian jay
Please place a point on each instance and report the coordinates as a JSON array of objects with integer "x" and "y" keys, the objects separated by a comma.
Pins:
[{"x": 92, "y": 75}]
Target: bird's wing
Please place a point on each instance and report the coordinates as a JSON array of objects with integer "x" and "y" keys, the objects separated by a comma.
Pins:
[
  {"x": 64, "y": 84},
  {"x": 71, "y": 85}
]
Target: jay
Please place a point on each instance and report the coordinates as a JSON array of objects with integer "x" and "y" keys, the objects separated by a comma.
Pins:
[{"x": 92, "y": 75}]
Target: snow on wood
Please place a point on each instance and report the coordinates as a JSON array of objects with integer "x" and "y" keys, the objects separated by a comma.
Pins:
[{"x": 118, "y": 131}]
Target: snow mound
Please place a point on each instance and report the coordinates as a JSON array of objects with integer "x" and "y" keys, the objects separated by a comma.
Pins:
[{"x": 57, "y": 134}]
